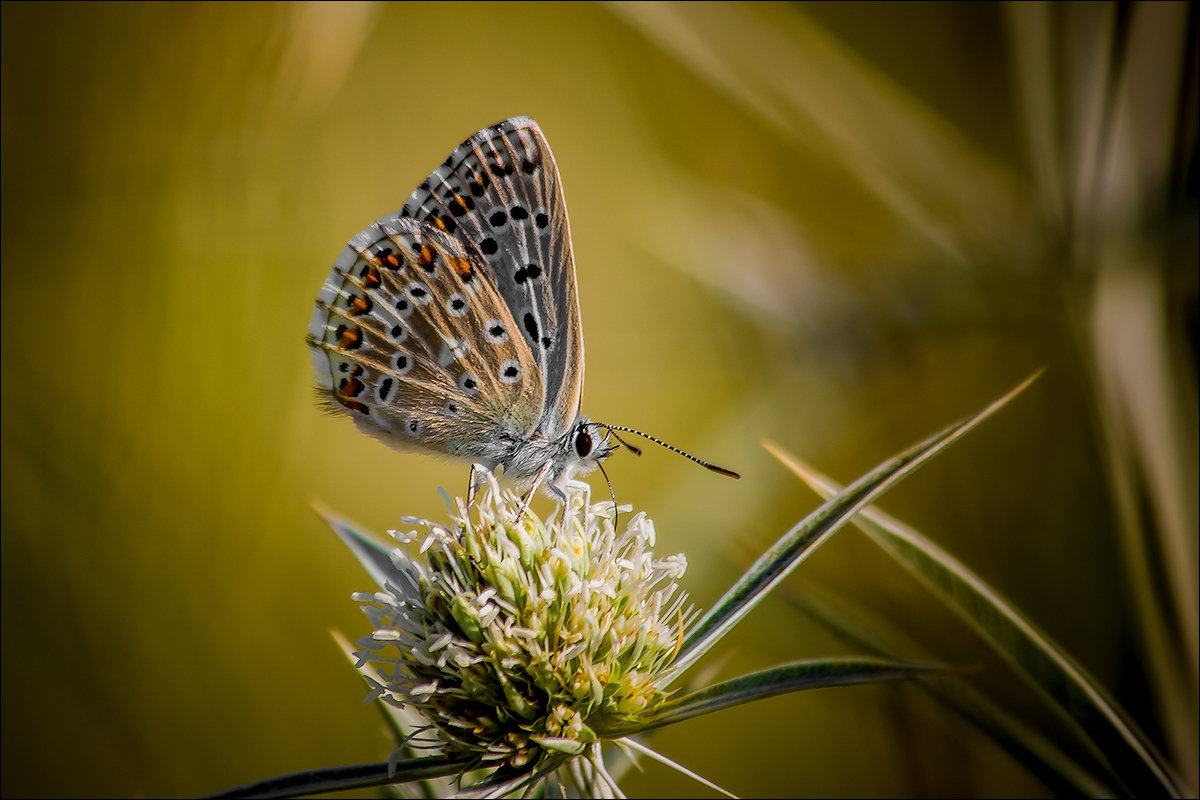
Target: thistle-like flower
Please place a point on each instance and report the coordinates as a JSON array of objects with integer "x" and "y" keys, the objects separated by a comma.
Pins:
[
  {"x": 514, "y": 647},
  {"x": 516, "y": 638}
]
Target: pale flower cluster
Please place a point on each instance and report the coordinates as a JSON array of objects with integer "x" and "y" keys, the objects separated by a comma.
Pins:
[{"x": 515, "y": 637}]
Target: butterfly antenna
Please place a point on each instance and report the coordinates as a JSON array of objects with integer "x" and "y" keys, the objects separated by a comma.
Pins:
[{"x": 700, "y": 461}]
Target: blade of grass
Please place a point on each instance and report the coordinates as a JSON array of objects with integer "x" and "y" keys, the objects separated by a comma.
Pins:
[
  {"x": 791, "y": 75},
  {"x": 795, "y": 545},
  {"x": 1051, "y": 671},
  {"x": 1062, "y": 774},
  {"x": 506, "y": 783},
  {"x": 375, "y": 557},
  {"x": 783, "y": 679},
  {"x": 358, "y": 776},
  {"x": 633, "y": 744},
  {"x": 403, "y": 723}
]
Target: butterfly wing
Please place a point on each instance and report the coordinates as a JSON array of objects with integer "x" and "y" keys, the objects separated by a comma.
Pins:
[
  {"x": 500, "y": 192},
  {"x": 411, "y": 337}
]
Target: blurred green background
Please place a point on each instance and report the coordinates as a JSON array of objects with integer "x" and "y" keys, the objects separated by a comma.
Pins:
[{"x": 837, "y": 227}]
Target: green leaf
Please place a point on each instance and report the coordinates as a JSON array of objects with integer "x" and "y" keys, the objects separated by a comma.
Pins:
[
  {"x": 1076, "y": 694},
  {"x": 402, "y": 722},
  {"x": 1062, "y": 774},
  {"x": 508, "y": 782},
  {"x": 791, "y": 549},
  {"x": 811, "y": 674},
  {"x": 374, "y": 557},
  {"x": 332, "y": 779}
]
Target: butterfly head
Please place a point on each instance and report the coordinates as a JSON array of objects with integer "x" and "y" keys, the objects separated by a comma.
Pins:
[{"x": 585, "y": 446}]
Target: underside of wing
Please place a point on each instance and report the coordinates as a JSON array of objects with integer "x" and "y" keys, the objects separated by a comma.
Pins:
[
  {"x": 499, "y": 192},
  {"x": 411, "y": 338}
]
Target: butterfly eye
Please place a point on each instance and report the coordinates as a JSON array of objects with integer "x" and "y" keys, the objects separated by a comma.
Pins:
[{"x": 583, "y": 442}]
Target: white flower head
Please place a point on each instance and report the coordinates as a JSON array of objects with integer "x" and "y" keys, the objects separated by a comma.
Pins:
[{"x": 515, "y": 635}]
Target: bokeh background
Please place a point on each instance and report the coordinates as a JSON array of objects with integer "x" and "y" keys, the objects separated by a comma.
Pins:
[{"x": 836, "y": 227}]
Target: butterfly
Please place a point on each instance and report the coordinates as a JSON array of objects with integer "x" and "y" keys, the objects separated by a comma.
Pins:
[{"x": 453, "y": 325}]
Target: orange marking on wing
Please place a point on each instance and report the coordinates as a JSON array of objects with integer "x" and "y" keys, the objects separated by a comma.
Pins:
[
  {"x": 348, "y": 337},
  {"x": 350, "y": 387}
]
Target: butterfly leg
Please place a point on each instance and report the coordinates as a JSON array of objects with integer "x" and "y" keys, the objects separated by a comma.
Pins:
[
  {"x": 537, "y": 480},
  {"x": 475, "y": 481}
]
